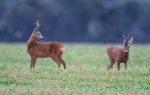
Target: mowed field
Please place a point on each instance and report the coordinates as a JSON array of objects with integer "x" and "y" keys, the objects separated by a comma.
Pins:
[{"x": 86, "y": 72}]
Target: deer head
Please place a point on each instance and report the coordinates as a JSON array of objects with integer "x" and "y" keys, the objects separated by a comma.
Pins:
[
  {"x": 36, "y": 32},
  {"x": 127, "y": 43}
]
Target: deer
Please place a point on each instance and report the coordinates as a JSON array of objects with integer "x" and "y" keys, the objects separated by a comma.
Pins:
[
  {"x": 36, "y": 49},
  {"x": 119, "y": 54}
]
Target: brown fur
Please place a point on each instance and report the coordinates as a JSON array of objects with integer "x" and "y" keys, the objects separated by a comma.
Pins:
[
  {"x": 44, "y": 49},
  {"x": 116, "y": 53},
  {"x": 119, "y": 54}
]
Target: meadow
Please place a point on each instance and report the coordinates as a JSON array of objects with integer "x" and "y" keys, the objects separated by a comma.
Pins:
[{"x": 86, "y": 72}]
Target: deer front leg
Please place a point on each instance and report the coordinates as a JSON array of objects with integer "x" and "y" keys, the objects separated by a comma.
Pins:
[
  {"x": 125, "y": 65},
  {"x": 31, "y": 63},
  {"x": 33, "y": 60}
]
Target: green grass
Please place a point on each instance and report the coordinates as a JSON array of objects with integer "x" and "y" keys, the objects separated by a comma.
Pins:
[{"x": 86, "y": 72}]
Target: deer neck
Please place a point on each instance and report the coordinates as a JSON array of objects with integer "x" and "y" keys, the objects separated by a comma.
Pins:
[
  {"x": 31, "y": 41},
  {"x": 126, "y": 56}
]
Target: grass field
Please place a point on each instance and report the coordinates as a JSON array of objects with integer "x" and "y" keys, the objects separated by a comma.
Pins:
[{"x": 86, "y": 72}]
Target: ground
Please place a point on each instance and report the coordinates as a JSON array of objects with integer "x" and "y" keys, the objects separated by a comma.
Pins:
[{"x": 86, "y": 72}]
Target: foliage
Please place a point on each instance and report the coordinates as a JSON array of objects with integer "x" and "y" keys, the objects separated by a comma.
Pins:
[
  {"x": 75, "y": 20},
  {"x": 86, "y": 72}
]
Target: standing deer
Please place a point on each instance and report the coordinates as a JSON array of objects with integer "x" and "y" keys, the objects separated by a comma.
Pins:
[
  {"x": 119, "y": 54},
  {"x": 42, "y": 50}
]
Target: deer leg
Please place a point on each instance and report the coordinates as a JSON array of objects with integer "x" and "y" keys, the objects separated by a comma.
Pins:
[
  {"x": 34, "y": 61},
  {"x": 118, "y": 64},
  {"x": 31, "y": 64},
  {"x": 111, "y": 61},
  {"x": 111, "y": 64},
  {"x": 108, "y": 67},
  {"x": 64, "y": 64},
  {"x": 56, "y": 60},
  {"x": 125, "y": 65},
  {"x": 62, "y": 61}
]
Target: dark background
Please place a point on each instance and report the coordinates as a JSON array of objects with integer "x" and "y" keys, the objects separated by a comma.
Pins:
[{"x": 102, "y": 21}]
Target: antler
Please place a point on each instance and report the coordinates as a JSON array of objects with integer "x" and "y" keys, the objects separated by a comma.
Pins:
[
  {"x": 127, "y": 36},
  {"x": 37, "y": 26},
  {"x": 37, "y": 23},
  {"x": 124, "y": 37}
]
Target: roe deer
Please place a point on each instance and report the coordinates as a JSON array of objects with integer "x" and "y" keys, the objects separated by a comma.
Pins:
[
  {"x": 119, "y": 54},
  {"x": 42, "y": 50}
]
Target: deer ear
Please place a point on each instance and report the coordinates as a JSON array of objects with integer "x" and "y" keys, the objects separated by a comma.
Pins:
[
  {"x": 131, "y": 40},
  {"x": 123, "y": 41},
  {"x": 36, "y": 30}
]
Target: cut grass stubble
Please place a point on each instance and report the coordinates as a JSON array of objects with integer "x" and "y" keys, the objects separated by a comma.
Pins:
[{"x": 86, "y": 72}]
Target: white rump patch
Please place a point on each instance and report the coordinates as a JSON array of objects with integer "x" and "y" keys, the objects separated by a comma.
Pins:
[{"x": 62, "y": 49}]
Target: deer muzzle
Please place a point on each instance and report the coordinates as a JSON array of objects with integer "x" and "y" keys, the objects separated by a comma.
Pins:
[
  {"x": 126, "y": 52},
  {"x": 42, "y": 39}
]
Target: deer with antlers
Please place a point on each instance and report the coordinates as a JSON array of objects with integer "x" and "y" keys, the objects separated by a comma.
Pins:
[
  {"x": 119, "y": 53},
  {"x": 36, "y": 49}
]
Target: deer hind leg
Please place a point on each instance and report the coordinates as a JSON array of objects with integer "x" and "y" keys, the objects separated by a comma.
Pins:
[
  {"x": 112, "y": 61},
  {"x": 33, "y": 61},
  {"x": 55, "y": 58},
  {"x": 108, "y": 67},
  {"x": 118, "y": 65},
  {"x": 111, "y": 64},
  {"x": 62, "y": 61}
]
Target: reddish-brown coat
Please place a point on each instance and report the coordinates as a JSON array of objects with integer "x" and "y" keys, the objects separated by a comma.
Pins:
[
  {"x": 119, "y": 54},
  {"x": 116, "y": 54},
  {"x": 44, "y": 49}
]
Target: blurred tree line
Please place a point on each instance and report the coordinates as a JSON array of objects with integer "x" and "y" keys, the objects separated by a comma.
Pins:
[{"x": 101, "y": 21}]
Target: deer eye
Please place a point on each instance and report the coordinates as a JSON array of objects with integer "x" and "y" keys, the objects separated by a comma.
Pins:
[{"x": 38, "y": 34}]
